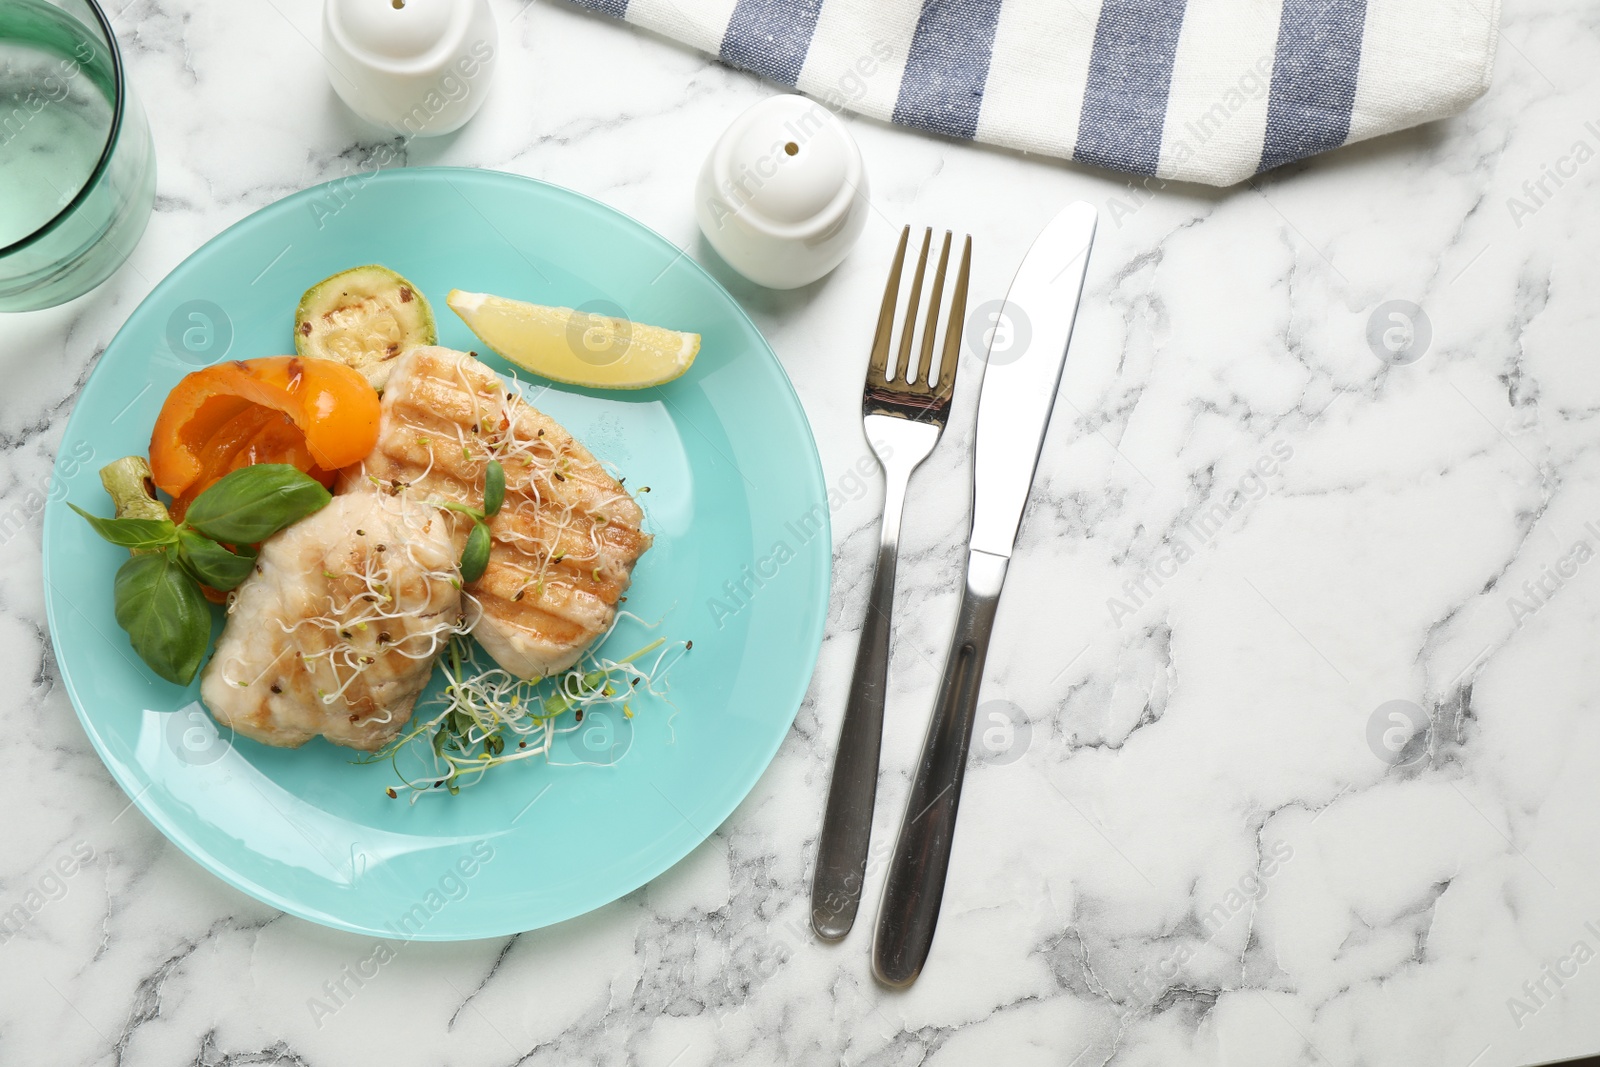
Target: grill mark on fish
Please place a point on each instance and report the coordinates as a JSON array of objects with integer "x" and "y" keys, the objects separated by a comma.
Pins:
[{"x": 565, "y": 542}]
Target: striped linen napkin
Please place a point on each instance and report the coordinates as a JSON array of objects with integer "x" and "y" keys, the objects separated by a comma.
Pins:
[{"x": 1194, "y": 90}]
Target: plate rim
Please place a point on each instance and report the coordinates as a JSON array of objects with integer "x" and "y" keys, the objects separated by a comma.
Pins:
[{"x": 125, "y": 775}]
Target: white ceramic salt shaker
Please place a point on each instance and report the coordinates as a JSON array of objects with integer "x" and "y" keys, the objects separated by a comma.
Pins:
[
  {"x": 420, "y": 68},
  {"x": 783, "y": 195}
]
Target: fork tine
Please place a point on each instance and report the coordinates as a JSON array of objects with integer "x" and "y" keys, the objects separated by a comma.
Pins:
[
  {"x": 958, "y": 316},
  {"x": 902, "y": 362},
  {"x": 878, "y": 365},
  {"x": 921, "y": 383}
]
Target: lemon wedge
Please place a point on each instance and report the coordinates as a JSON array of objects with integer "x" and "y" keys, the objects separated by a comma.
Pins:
[{"x": 576, "y": 346}]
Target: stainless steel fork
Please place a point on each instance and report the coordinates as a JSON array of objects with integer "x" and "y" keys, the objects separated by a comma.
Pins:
[{"x": 903, "y": 410}]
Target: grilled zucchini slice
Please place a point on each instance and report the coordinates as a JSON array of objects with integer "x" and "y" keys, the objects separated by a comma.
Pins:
[{"x": 364, "y": 318}]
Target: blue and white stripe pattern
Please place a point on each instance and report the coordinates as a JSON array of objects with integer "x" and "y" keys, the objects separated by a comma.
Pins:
[{"x": 1193, "y": 90}]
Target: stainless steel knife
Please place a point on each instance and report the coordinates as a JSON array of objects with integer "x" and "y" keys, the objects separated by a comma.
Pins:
[{"x": 1013, "y": 412}]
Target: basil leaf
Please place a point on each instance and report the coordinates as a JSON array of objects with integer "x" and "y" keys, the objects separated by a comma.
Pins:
[
  {"x": 475, "y": 558},
  {"x": 212, "y": 564},
  {"x": 165, "y": 616},
  {"x": 253, "y": 503},
  {"x": 131, "y": 533},
  {"x": 494, "y": 487}
]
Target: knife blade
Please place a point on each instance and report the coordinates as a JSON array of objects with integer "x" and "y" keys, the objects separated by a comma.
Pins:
[
  {"x": 1014, "y": 406},
  {"x": 1013, "y": 414}
]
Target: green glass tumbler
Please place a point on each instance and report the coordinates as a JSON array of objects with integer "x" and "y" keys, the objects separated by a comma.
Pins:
[{"x": 77, "y": 166}]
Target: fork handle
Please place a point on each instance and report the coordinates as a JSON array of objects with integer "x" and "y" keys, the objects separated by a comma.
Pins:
[
  {"x": 914, "y": 887},
  {"x": 847, "y": 821}
]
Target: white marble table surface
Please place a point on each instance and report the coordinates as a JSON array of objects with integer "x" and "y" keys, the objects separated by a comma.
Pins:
[{"x": 1199, "y": 850}]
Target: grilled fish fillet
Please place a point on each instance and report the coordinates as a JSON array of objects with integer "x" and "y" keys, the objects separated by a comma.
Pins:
[
  {"x": 337, "y": 631},
  {"x": 565, "y": 541}
]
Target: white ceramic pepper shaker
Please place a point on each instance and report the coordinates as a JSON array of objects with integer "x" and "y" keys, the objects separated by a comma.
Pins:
[
  {"x": 420, "y": 68},
  {"x": 783, "y": 195}
]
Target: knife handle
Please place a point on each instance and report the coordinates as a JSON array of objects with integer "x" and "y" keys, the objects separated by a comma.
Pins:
[{"x": 914, "y": 888}]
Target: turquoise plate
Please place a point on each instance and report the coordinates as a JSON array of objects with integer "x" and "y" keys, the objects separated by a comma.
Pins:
[{"x": 740, "y": 567}]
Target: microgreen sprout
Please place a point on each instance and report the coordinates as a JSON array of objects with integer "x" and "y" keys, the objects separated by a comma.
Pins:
[
  {"x": 486, "y": 716},
  {"x": 475, "y": 556}
]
